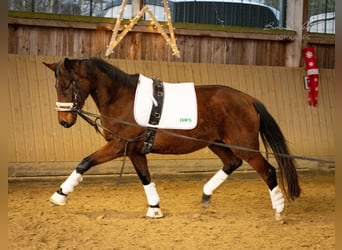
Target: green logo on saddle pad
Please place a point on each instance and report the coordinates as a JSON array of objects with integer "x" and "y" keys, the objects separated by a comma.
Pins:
[{"x": 183, "y": 119}]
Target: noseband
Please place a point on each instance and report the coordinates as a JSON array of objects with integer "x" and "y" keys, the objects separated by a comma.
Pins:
[{"x": 64, "y": 106}]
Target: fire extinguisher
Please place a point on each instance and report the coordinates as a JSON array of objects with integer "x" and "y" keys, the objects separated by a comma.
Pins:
[{"x": 311, "y": 78}]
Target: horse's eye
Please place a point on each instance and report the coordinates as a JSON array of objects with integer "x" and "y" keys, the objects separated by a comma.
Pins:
[
  {"x": 62, "y": 85},
  {"x": 65, "y": 87}
]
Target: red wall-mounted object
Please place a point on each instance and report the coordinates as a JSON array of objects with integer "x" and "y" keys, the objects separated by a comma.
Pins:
[{"x": 312, "y": 75}]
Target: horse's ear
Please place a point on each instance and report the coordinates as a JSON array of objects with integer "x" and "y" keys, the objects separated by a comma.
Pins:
[{"x": 51, "y": 66}]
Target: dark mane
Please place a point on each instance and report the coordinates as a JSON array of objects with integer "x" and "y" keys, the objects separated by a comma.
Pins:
[{"x": 114, "y": 73}]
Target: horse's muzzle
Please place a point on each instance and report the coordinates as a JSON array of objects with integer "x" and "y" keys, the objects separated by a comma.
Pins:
[
  {"x": 66, "y": 118},
  {"x": 65, "y": 124}
]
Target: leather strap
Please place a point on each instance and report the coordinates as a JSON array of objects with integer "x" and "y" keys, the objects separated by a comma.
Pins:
[
  {"x": 158, "y": 94},
  {"x": 156, "y": 111}
]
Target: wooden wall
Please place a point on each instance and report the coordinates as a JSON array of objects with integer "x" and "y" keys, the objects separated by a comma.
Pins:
[
  {"x": 40, "y": 146},
  {"x": 198, "y": 44}
]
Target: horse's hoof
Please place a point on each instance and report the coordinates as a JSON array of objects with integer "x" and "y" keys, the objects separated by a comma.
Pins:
[
  {"x": 154, "y": 213},
  {"x": 279, "y": 218},
  {"x": 58, "y": 199},
  {"x": 205, "y": 204},
  {"x": 206, "y": 200}
]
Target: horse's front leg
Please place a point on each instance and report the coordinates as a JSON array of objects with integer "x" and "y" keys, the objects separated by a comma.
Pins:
[
  {"x": 140, "y": 164},
  {"x": 104, "y": 154}
]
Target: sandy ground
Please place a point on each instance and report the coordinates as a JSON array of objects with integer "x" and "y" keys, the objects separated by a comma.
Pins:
[{"x": 102, "y": 214}]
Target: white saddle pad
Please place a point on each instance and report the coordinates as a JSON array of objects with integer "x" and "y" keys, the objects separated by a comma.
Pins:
[{"x": 179, "y": 106}]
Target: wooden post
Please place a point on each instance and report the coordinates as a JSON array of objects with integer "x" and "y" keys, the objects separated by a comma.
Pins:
[
  {"x": 294, "y": 21},
  {"x": 135, "y": 8},
  {"x": 137, "y": 5},
  {"x": 305, "y": 21}
]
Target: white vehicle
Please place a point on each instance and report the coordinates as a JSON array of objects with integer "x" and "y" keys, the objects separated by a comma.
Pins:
[
  {"x": 225, "y": 12},
  {"x": 156, "y": 6},
  {"x": 322, "y": 23}
]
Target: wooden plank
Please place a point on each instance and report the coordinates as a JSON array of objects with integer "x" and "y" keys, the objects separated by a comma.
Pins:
[
  {"x": 99, "y": 42},
  {"x": 189, "y": 52},
  {"x": 44, "y": 38},
  {"x": 232, "y": 56},
  {"x": 188, "y": 73},
  {"x": 45, "y": 82},
  {"x": 204, "y": 73},
  {"x": 59, "y": 48},
  {"x": 156, "y": 70},
  {"x": 16, "y": 146},
  {"x": 133, "y": 43},
  {"x": 138, "y": 66},
  {"x": 24, "y": 40},
  {"x": 304, "y": 111},
  {"x": 196, "y": 73},
  {"x": 219, "y": 51},
  {"x": 172, "y": 72},
  {"x": 121, "y": 64},
  {"x": 148, "y": 69},
  {"x": 51, "y": 23},
  {"x": 180, "y": 72},
  {"x": 12, "y": 39},
  {"x": 227, "y": 75},
  {"x": 210, "y": 76},
  {"x": 164, "y": 72},
  {"x": 218, "y": 70},
  {"x": 35, "y": 95},
  {"x": 261, "y": 47},
  {"x": 25, "y": 105},
  {"x": 295, "y": 101},
  {"x": 326, "y": 123}
]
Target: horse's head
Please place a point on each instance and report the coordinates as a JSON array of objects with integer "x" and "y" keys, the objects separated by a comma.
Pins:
[{"x": 72, "y": 86}]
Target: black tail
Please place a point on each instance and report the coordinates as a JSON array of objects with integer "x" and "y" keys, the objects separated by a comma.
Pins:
[{"x": 273, "y": 138}]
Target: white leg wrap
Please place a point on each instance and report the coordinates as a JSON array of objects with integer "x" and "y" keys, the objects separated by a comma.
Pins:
[
  {"x": 214, "y": 182},
  {"x": 73, "y": 180},
  {"x": 277, "y": 199},
  {"x": 151, "y": 194}
]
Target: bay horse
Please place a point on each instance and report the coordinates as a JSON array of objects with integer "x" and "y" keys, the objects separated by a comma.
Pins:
[{"x": 226, "y": 116}]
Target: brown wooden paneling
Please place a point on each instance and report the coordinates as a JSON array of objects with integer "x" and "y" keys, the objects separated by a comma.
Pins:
[
  {"x": 74, "y": 39},
  {"x": 37, "y": 137},
  {"x": 43, "y": 34}
]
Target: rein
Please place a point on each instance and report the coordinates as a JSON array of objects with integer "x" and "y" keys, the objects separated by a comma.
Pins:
[
  {"x": 167, "y": 132},
  {"x": 85, "y": 115}
]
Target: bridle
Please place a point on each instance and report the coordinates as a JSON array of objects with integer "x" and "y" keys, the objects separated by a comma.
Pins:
[
  {"x": 74, "y": 105},
  {"x": 67, "y": 106}
]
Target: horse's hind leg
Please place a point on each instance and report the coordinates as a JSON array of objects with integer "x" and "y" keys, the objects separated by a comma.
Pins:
[
  {"x": 140, "y": 164},
  {"x": 268, "y": 174},
  {"x": 230, "y": 163}
]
